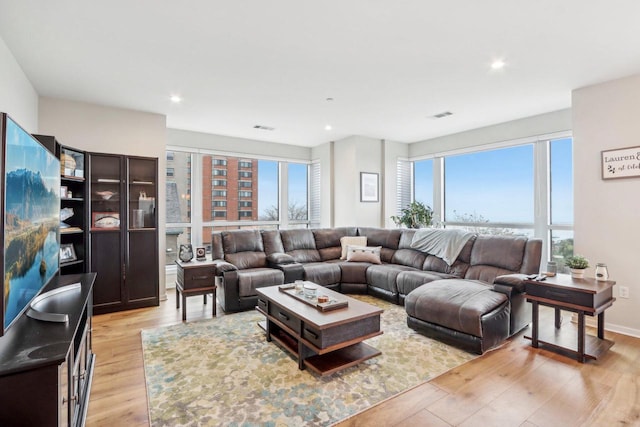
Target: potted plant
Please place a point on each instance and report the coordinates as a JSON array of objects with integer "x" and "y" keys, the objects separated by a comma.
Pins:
[
  {"x": 577, "y": 264},
  {"x": 414, "y": 215}
]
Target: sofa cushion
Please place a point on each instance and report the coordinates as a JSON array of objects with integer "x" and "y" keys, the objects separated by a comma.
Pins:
[
  {"x": 456, "y": 304},
  {"x": 384, "y": 276},
  {"x": 244, "y": 260},
  {"x": 242, "y": 241},
  {"x": 363, "y": 254},
  {"x": 322, "y": 273},
  {"x": 249, "y": 280},
  {"x": 409, "y": 257},
  {"x": 300, "y": 244},
  {"x": 407, "y": 281},
  {"x": 272, "y": 242},
  {"x": 354, "y": 272},
  {"x": 351, "y": 240}
]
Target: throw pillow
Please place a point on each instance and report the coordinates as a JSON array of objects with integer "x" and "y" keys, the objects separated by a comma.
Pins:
[
  {"x": 364, "y": 254},
  {"x": 351, "y": 240}
]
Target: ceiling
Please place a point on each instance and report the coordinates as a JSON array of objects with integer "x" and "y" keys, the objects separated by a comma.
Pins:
[{"x": 388, "y": 66}]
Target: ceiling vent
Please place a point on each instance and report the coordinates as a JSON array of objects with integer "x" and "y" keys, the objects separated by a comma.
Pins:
[
  {"x": 261, "y": 127},
  {"x": 442, "y": 115}
]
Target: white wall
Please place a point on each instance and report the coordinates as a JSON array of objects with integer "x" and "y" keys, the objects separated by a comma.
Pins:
[
  {"x": 353, "y": 155},
  {"x": 542, "y": 124},
  {"x": 607, "y": 229},
  {"x": 232, "y": 145},
  {"x": 18, "y": 98},
  {"x": 103, "y": 129}
]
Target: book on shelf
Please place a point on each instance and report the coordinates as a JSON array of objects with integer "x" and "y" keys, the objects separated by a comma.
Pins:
[{"x": 71, "y": 230}]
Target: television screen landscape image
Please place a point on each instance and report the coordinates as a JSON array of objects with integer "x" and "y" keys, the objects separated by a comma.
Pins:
[{"x": 31, "y": 218}]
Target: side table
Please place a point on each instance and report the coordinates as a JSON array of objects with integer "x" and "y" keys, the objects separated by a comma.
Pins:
[
  {"x": 195, "y": 278},
  {"x": 581, "y": 296}
]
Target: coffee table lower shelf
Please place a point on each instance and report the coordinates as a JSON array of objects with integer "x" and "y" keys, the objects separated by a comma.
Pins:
[{"x": 325, "y": 363}]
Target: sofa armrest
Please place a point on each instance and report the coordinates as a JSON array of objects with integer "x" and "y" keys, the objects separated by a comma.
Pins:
[
  {"x": 277, "y": 259},
  {"x": 510, "y": 283},
  {"x": 223, "y": 266}
]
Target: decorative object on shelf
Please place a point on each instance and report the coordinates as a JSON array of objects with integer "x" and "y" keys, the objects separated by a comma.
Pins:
[
  {"x": 577, "y": 264},
  {"x": 620, "y": 163},
  {"x": 106, "y": 219},
  {"x": 137, "y": 219},
  {"x": 369, "y": 187},
  {"x": 67, "y": 253},
  {"x": 67, "y": 164},
  {"x": 185, "y": 253},
  {"x": 414, "y": 215},
  {"x": 106, "y": 195},
  {"x": 601, "y": 272},
  {"x": 65, "y": 214},
  {"x": 552, "y": 269},
  {"x": 63, "y": 191},
  {"x": 201, "y": 254}
]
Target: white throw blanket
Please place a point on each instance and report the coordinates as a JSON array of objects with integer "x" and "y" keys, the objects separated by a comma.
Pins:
[{"x": 443, "y": 243}]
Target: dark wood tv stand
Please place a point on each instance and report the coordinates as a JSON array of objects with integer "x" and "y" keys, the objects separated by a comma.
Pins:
[{"x": 46, "y": 368}]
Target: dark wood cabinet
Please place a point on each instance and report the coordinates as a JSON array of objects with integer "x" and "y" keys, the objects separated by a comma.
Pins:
[
  {"x": 124, "y": 233},
  {"x": 46, "y": 368},
  {"x": 74, "y": 235}
]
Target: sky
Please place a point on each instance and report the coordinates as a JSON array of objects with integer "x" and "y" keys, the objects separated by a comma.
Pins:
[
  {"x": 499, "y": 184},
  {"x": 268, "y": 184}
]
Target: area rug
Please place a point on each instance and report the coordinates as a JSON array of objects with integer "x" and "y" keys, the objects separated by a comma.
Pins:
[{"x": 223, "y": 372}]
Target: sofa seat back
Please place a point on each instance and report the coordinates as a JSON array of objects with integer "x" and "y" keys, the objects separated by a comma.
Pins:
[
  {"x": 328, "y": 241},
  {"x": 387, "y": 239},
  {"x": 406, "y": 255},
  {"x": 244, "y": 249},
  {"x": 492, "y": 256},
  {"x": 300, "y": 244}
]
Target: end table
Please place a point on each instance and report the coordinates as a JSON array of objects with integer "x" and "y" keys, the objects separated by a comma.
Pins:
[
  {"x": 581, "y": 296},
  {"x": 195, "y": 278}
]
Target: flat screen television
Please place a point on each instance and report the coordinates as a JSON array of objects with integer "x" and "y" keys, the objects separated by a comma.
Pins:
[{"x": 30, "y": 212}]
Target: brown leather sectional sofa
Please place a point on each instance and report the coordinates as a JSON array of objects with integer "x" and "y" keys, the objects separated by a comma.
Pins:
[{"x": 475, "y": 303}]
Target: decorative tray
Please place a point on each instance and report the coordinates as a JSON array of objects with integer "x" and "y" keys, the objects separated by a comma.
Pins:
[{"x": 332, "y": 304}]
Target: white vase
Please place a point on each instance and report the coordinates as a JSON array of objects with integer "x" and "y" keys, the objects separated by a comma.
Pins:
[{"x": 577, "y": 273}]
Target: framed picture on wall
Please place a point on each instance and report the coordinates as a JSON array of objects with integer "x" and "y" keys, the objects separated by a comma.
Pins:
[{"x": 369, "y": 191}]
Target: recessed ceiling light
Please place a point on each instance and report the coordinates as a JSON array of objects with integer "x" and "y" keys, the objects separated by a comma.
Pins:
[
  {"x": 328, "y": 127},
  {"x": 442, "y": 115},
  {"x": 498, "y": 64},
  {"x": 263, "y": 127},
  {"x": 176, "y": 99}
]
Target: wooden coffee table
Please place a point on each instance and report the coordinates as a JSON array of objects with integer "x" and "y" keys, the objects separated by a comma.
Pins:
[{"x": 324, "y": 342}]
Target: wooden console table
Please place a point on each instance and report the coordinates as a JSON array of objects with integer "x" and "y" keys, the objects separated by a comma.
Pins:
[
  {"x": 195, "y": 278},
  {"x": 581, "y": 296}
]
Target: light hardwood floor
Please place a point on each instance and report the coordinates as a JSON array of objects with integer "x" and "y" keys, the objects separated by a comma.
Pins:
[{"x": 514, "y": 385}]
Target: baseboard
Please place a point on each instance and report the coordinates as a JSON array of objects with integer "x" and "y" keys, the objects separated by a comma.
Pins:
[{"x": 593, "y": 323}]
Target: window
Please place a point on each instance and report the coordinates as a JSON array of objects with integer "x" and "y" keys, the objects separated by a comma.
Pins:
[
  {"x": 490, "y": 186},
  {"x": 524, "y": 189},
  {"x": 169, "y": 155},
  {"x": 423, "y": 182},
  {"x": 297, "y": 191},
  {"x": 170, "y": 171},
  {"x": 245, "y": 199}
]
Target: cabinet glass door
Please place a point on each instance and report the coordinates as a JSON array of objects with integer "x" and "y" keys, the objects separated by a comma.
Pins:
[
  {"x": 105, "y": 192},
  {"x": 142, "y": 195}
]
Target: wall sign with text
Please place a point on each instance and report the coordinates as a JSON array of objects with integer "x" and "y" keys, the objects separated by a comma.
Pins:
[{"x": 621, "y": 163}]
